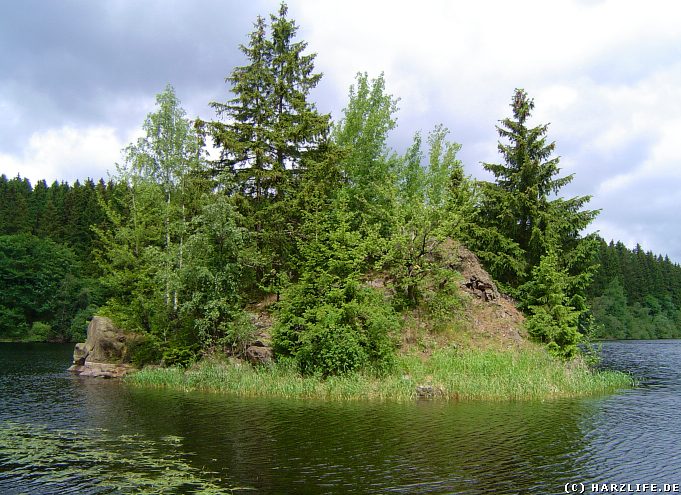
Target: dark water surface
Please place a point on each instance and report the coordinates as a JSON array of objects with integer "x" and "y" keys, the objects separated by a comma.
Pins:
[{"x": 63, "y": 434}]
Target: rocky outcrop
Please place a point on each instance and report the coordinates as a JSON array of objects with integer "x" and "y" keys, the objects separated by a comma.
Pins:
[
  {"x": 476, "y": 280},
  {"x": 256, "y": 354},
  {"x": 104, "y": 352},
  {"x": 101, "y": 370},
  {"x": 485, "y": 290},
  {"x": 259, "y": 349}
]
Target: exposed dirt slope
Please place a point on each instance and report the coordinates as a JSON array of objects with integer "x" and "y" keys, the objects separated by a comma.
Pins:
[{"x": 482, "y": 317}]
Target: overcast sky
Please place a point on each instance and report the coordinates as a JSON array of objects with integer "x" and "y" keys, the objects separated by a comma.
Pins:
[{"x": 78, "y": 77}]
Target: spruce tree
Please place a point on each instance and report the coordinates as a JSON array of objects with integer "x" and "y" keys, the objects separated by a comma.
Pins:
[
  {"x": 265, "y": 132},
  {"x": 523, "y": 205},
  {"x": 270, "y": 120}
]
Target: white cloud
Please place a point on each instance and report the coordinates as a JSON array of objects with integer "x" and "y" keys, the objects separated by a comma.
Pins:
[{"x": 67, "y": 154}]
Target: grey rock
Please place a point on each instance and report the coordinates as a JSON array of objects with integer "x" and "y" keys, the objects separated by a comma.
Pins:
[
  {"x": 429, "y": 392},
  {"x": 104, "y": 351},
  {"x": 259, "y": 355}
]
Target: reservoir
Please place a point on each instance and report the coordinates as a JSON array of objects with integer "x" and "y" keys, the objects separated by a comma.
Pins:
[{"x": 63, "y": 434}]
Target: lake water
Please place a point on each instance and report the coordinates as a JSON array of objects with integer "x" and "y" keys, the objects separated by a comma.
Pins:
[{"x": 63, "y": 434}]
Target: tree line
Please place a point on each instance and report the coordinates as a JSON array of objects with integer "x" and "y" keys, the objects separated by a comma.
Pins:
[
  {"x": 306, "y": 211},
  {"x": 49, "y": 279},
  {"x": 635, "y": 294}
]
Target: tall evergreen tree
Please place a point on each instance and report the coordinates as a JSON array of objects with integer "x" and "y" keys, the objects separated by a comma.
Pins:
[
  {"x": 270, "y": 120},
  {"x": 15, "y": 208},
  {"x": 523, "y": 202},
  {"x": 524, "y": 206},
  {"x": 266, "y": 131}
]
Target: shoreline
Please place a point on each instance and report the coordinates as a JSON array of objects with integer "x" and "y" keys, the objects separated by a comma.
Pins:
[{"x": 449, "y": 374}]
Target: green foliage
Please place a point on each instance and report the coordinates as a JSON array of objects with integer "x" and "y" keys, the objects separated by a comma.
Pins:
[
  {"x": 80, "y": 321},
  {"x": 552, "y": 321},
  {"x": 368, "y": 169},
  {"x": 211, "y": 274},
  {"x": 349, "y": 328},
  {"x": 239, "y": 333},
  {"x": 267, "y": 131},
  {"x": 441, "y": 296},
  {"x": 145, "y": 350},
  {"x": 434, "y": 204},
  {"x": 327, "y": 320},
  {"x": 310, "y": 211},
  {"x": 161, "y": 273},
  {"x": 269, "y": 120},
  {"x": 531, "y": 239},
  {"x": 182, "y": 356},
  {"x": 61, "y": 212},
  {"x": 41, "y": 284},
  {"x": 61, "y": 215},
  {"x": 40, "y": 332},
  {"x": 519, "y": 205},
  {"x": 635, "y": 294}
]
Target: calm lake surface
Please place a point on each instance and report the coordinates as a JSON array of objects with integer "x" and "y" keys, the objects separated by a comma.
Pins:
[{"x": 63, "y": 434}]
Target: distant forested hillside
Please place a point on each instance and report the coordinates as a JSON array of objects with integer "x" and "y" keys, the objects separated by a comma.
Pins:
[
  {"x": 51, "y": 287},
  {"x": 636, "y": 294},
  {"x": 48, "y": 275}
]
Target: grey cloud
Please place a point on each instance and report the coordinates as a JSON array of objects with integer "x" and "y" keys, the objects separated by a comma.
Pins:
[
  {"x": 647, "y": 211},
  {"x": 78, "y": 62}
]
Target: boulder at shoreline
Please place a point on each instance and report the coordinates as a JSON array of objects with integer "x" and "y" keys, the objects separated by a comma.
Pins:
[{"x": 104, "y": 352}]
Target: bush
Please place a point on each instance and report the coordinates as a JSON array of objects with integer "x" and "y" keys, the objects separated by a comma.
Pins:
[
  {"x": 555, "y": 330},
  {"x": 239, "y": 333},
  {"x": 329, "y": 346},
  {"x": 40, "y": 332},
  {"x": 348, "y": 329},
  {"x": 145, "y": 350},
  {"x": 182, "y": 356}
]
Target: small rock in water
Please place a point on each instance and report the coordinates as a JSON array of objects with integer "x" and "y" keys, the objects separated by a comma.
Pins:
[{"x": 429, "y": 392}]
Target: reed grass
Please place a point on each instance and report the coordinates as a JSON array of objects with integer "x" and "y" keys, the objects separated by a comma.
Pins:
[{"x": 449, "y": 374}]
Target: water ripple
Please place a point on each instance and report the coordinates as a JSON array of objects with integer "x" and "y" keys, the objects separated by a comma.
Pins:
[{"x": 61, "y": 434}]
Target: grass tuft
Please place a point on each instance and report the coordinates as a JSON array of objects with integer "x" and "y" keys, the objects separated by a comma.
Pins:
[{"x": 471, "y": 374}]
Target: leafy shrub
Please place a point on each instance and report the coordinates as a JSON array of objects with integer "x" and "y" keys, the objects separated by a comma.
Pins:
[
  {"x": 330, "y": 347},
  {"x": 40, "y": 332},
  {"x": 145, "y": 350},
  {"x": 553, "y": 320},
  {"x": 239, "y": 333},
  {"x": 346, "y": 329},
  {"x": 182, "y": 356}
]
